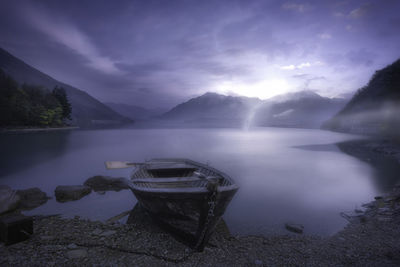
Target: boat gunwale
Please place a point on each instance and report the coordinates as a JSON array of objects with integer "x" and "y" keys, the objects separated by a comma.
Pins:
[{"x": 199, "y": 190}]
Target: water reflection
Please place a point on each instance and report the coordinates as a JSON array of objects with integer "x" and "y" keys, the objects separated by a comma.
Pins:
[
  {"x": 21, "y": 151},
  {"x": 386, "y": 168}
]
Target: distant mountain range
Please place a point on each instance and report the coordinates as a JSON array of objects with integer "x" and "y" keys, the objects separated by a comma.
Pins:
[
  {"x": 86, "y": 110},
  {"x": 212, "y": 109},
  {"x": 304, "y": 109},
  {"x": 135, "y": 112},
  {"x": 375, "y": 108}
]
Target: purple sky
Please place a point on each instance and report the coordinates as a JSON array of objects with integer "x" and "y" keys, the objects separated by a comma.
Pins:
[{"x": 160, "y": 53}]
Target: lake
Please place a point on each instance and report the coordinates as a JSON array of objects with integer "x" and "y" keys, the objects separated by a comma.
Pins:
[{"x": 285, "y": 175}]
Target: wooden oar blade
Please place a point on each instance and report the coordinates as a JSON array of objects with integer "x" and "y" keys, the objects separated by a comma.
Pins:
[{"x": 119, "y": 164}]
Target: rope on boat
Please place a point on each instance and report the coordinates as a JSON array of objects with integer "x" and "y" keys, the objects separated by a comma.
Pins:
[{"x": 212, "y": 187}]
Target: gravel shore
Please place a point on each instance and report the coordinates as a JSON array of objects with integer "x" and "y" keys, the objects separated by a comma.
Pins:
[{"x": 372, "y": 238}]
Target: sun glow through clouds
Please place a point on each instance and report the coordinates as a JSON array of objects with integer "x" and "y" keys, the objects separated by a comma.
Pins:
[{"x": 262, "y": 89}]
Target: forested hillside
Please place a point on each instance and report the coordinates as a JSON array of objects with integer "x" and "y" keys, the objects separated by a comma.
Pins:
[
  {"x": 375, "y": 108},
  {"x": 29, "y": 105},
  {"x": 86, "y": 112}
]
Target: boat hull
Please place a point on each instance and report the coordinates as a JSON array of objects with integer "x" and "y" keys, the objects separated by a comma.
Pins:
[{"x": 194, "y": 212}]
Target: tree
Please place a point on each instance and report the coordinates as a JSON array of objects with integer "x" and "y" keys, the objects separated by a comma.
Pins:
[
  {"x": 30, "y": 105},
  {"x": 60, "y": 94}
]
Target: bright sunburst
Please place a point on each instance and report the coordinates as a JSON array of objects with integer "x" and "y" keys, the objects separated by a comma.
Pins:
[{"x": 263, "y": 89}]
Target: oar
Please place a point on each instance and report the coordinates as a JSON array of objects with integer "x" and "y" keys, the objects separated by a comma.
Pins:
[
  {"x": 120, "y": 164},
  {"x": 126, "y": 164}
]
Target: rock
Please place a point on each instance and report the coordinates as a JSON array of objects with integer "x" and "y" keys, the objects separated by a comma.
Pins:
[
  {"x": 295, "y": 228},
  {"x": 66, "y": 193},
  {"x": 9, "y": 200},
  {"x": 106, "y": 183},
  {"x": 77, "y": 253},
  {"x": 108, "y": 233},
  {"x": 97, "y": 231},
  {"x": 384, "y": 219},
  {"x": 378, "y": 197},
  {"x": 72, "y": 246},
  {"x": 15, "y": 228},
  {"x": 31, "y": 198},
  {"x": 47, "y": 237},
  {"x": 363, "y": 219}
]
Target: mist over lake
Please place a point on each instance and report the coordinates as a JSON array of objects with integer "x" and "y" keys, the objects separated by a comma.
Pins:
[{"x": 285, "y": 175}]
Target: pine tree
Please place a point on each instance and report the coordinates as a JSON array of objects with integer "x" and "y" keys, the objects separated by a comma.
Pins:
[{"x": 60, "y": 94}]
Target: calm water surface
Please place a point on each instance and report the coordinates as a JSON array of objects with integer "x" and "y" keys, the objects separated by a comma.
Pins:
[{"x": 285, "y": 175}]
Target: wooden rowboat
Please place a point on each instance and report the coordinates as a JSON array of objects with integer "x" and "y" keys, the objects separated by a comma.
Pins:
[{"x": 186, "y": 196}]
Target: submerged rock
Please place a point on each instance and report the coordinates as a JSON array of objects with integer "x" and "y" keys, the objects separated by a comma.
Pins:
[
  {"x": 295, "y": 228},
  {"x": 66, "y": 193},
  {"x": 106, "y": 183},
  {"x": 32, "y": 198},
  {"x": 9, "y": 200}
]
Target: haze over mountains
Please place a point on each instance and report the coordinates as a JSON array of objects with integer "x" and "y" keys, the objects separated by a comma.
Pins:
[
  {"x": 304, "y": 109},
  {"x": 86, "y": 110},
  {"x": 135, "y": 112},
  {"x": 375, "y": 108},
  {"x": 213, "y": 109}
]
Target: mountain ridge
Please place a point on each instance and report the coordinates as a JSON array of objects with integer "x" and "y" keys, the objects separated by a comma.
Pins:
[
  {"x": 87, "y": 111},
  {"x": 374, "y": 109},
  {"x": 282, "y": 110}
]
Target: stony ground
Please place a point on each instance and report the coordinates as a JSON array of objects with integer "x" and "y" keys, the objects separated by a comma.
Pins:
[{"x": 372, "y": 238}]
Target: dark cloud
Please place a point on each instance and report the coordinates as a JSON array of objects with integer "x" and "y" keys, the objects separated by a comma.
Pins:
[
  {"x": 144, "y": 69},
  {"x": 158, "y": 53}
]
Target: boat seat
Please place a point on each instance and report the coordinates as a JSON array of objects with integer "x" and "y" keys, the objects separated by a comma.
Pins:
[
  {"x": 168, "y": 179},
  {"x": 170, "y": 166}
]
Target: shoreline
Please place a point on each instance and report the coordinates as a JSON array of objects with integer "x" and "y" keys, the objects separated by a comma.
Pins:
[
  {"x": 29, "y": 130},
  {"x": 370, "y": 238}
]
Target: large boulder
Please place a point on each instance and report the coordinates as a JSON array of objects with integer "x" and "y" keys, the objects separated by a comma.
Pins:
[
  {"x": 66, "y": 193},
  {"x": 106, "y": 183},
  {"x": 31, "y": 198},
  {"x": 9, "y": 200}
]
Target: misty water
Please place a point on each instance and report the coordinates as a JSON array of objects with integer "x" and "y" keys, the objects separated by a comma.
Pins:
[{"x": 285, "y": 175}]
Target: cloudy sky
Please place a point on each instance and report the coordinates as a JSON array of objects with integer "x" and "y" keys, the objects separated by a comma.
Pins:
[{"x": 160, "y": 53}]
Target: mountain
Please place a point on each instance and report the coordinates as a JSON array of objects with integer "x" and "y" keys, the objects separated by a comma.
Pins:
[
  {"x": 212, "y": 109},
  {"x": 86, "y": 110},
  {"x": 375, "y": 108},
  {"x": 134, "y": 112},
  {"x": 304, "y": 109}
]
